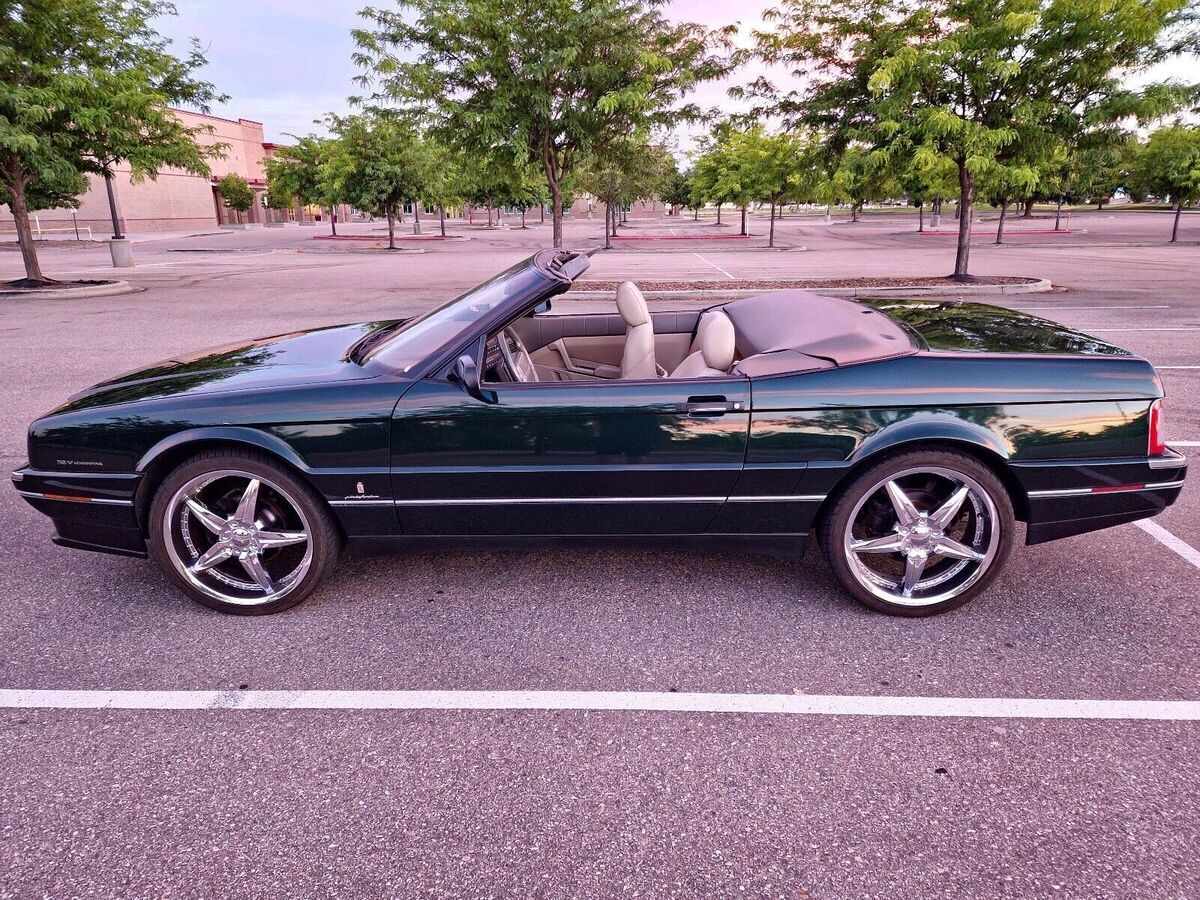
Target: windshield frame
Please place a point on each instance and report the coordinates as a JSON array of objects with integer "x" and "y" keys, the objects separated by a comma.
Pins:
[{"x": 554, "y": 271}]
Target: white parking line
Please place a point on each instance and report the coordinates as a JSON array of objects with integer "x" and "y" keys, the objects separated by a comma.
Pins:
[
  {"x": 614, "y": 701},
  {"x": 1120, "y": 330},
  {"x": 1096, "y": 308},
  {"x": 715, "y": 266},
  {"x": 1177, "y": 367},
  {"x": 1184, "y": 443},
  {"x": 1168, "y": 540}
]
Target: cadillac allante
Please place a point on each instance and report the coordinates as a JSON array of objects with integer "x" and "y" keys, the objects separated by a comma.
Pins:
[{"x": 907, "y": 437}]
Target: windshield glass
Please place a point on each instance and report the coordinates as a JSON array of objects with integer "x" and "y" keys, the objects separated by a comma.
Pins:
[{"x": 441, "y": 325}]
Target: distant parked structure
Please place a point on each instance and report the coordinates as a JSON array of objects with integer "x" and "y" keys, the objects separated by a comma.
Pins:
[{"x": 176, "y": 201}]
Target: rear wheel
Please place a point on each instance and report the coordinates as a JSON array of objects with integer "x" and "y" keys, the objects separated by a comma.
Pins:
[
  {"x": 919, "y": 533},
  {"x": 240, "y": 534}
]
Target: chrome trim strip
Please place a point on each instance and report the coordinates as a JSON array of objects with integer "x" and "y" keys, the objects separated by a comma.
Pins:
[
  {"x": 347, "y": 503},
  {"x": 36, "y": 495},
  {"x": 1168, "y": 462},
  {"x": 500, "y": 501},
  {"x": 1133, "y": 489},
  {"x": 780, "y": 498}
]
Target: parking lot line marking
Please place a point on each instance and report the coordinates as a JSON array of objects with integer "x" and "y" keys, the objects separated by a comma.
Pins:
[
  {"x": 1168, "y": 540},
  {"x": 1097, "y": 308},
  {"x": 1184, "y": 443},
  {"x": 613, "y": 701},
  {"x": 715, "y": 266},
  {"x": 1119, "y": 330},
  {"x": 1177, "y": 367}
]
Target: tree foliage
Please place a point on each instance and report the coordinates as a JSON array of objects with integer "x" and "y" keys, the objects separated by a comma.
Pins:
[
  {"x": 1169, "y": 167},
  {"x": 236, "y": 193},
  {"x": 988, "y": 85},
  {"x": 554, "y": 81},
  {"x": 85, "y": 84}
]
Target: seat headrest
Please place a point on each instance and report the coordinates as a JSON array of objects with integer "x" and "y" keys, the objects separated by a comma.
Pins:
[
  {"x": 632, "y": 305},
  {"x": 717, "y": 339}
]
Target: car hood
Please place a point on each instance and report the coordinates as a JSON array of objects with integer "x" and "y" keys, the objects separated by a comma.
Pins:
[{"x": 317, "y": 354}]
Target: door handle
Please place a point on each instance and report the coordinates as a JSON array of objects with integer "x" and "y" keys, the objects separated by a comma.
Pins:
[{"x": 709, "y": 407}]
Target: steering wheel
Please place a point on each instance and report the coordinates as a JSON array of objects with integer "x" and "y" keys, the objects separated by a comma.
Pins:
[{"x": 516, "y": 357}]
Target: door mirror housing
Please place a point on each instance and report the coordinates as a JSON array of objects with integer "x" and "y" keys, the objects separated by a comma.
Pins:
[{"x": 466, "y": 373}]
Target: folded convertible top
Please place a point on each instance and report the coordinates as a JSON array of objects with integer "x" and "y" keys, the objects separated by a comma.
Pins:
[{"x": 782, "y": 327}]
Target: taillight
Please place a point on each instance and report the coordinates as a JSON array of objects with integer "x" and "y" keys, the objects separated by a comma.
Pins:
[{"x": 1158, "y": 443}]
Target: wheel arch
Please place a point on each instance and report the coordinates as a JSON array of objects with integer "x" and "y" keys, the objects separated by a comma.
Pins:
[
  {"x": 157, "y": 462},
  {"x": 990, "y": 451}
]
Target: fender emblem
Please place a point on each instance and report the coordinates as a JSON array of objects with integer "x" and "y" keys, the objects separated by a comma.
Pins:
[{"x": 361, "y": 489}]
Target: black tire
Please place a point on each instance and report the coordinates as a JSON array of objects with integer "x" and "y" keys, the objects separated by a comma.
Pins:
[
  {"x": 285, "y": 495},
  {"x": 868, "y": 486}
]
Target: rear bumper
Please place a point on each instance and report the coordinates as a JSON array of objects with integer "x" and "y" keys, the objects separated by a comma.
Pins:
[
  {"x": 1074, "y": 497},
  {"x": 90, "y": 511}
]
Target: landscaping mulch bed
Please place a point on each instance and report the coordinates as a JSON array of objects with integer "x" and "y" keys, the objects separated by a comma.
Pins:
[
  {"x": 776, "y": 284},
  {"x": 24, "y": 284}
]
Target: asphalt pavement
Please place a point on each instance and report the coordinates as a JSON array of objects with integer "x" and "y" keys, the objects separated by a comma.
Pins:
[{"x": 589, "y": 802}]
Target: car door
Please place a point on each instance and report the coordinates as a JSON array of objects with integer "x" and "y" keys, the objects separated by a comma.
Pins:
[{"x": 568, "y": 457}]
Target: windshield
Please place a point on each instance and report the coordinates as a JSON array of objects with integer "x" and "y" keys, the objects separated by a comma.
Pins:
[{"x": 441, "y": 325}]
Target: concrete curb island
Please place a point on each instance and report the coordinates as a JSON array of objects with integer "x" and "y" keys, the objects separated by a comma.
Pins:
[
  {"x": 1037, "y": 286},
  {"x": 110, "y": 289}
]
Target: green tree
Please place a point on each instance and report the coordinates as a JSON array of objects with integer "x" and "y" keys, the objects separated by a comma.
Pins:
[
  {"x": 676, "y": 189},
  {"x": 83, "y": 84},
  {"x": 863, "y": 176},
  {"x": 984, "y": 84},
  {"x": 236, "y": 193},
  {"x": 1169, "y": 167},
  {"x": 626, "y": 170},
  {"x": 300, "y": 171},
  {"x": 380, "y": 164},
  {"x": 778, "y": 167},
  {"x": 555, "y": 80}
]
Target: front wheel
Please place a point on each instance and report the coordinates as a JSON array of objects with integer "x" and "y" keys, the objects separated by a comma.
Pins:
[
  {"x": 919, "y": 533},
  {"x": 241, "y": 534}
]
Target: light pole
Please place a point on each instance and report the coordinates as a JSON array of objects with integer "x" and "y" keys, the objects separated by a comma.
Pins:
[{"x": 118, "y": 246}]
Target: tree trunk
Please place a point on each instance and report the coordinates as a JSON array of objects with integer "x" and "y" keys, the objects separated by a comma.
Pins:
[
  {"x": 333, "y": 220},
  {"x": 1000, "y": 227},
  {"x": 921, "y": 217},
  {"x": 542, "y": 207},
  {"x": 1058, "y": 215},
  {"x": 966, "y": 197},
  {"x": 489, "y": 212},
  {"x": 771, "y": 239},
  {"x": 391, "y": 217},
  {"x": 556, "y": 213},
  {"x": 696, "y": 217},
  {"x": 416, "y": 219},
  {"x": 470, "y": 215},
  {"x": 743, "y": 220},
  {"x": 442, "y": 218},
  {"x": 1175, "y": 227},
  {"x": 718, "y": 213},
  {"x": 33, "y": 269},
  {"x": 523, "y": 225},
  {"x": 607, "y": 226},
  {"x": 1028, "y": 214},
  {"x": 112, "y": 206},
  {"x": 855, "y": 209}
]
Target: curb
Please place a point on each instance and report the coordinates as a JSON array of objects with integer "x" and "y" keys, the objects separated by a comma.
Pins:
[
  {"x": 91, "y": 290},
  {"x": 1042, "y": 285}
]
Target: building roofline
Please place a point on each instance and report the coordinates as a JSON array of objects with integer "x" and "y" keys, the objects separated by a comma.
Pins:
[{"x": 193, "y": 112}]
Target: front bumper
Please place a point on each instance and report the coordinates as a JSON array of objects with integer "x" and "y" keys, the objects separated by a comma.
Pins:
[
  {"x": 90, "y": 510},
  {"x": 1071, "y": 497}
]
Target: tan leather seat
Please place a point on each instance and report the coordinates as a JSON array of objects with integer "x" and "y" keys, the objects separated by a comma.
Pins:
[
  {"x": 637, "y": 361},
  {"x": 716, "y": 337}
]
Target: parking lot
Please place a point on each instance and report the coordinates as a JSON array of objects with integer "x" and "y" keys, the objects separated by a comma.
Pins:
[{"x": 606, "y": 798}]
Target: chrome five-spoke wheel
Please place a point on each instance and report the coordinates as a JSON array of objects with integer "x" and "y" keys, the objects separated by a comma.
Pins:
[
  {"x": 242, "y": 538},
  {"x": 920, "y": 536}
]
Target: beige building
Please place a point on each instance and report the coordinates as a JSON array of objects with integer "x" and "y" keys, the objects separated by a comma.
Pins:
[{"x": 175, "y": 201}]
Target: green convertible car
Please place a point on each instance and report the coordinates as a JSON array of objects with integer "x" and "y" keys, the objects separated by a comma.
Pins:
[{"x": 908, "y": 436}]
